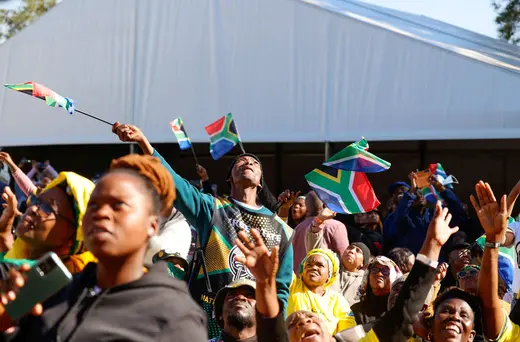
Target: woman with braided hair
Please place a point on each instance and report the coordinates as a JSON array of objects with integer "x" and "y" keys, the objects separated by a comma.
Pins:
[{"x": 116, "y": 299}]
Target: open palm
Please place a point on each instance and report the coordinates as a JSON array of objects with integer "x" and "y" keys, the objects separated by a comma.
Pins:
[
  {"x": 262, "y": 263},
  {"x": 492, "y": 215}
]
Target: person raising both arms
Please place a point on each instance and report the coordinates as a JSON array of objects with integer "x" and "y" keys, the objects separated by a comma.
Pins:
[{"x": 218, "y": 220}]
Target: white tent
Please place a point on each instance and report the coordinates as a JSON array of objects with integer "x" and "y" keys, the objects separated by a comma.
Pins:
[{"x": 288, "y": 70}]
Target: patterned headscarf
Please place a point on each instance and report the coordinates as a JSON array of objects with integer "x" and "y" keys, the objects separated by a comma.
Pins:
[
  {"x": 395, "y": 273},
  {"x": 332, "y": 261}
]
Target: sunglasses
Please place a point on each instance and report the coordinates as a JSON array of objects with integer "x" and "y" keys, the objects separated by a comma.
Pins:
[
  {"x": 384, "y": 271},
  {"x": 468, "y": 273},
  {"x": 46, "y": 208}
]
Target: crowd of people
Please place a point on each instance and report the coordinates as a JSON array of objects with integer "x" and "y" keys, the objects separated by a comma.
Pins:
[{"x": 157, "y": 258}]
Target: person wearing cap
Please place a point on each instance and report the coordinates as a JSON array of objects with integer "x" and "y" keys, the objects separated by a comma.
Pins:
[
  {"x": 177, "y": 265},
  {"x": 235, "y": 312},
  {"x": 218, "y": 220},
  {"x": 375, "y": 290}
]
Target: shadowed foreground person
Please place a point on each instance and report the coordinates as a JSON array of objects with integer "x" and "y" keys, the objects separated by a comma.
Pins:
[{"x": 116, "y": 300}]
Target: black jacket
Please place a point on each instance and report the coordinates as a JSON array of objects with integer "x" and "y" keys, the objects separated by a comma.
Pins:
[{"x": 153, "y": 308}]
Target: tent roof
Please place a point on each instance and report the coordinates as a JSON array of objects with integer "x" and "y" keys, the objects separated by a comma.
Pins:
[{"x": 288, "y": 70}]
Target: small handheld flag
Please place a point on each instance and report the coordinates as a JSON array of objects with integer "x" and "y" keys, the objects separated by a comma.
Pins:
[
  {"x": 182, "y": 137},
  {"x": 180, "y": 133},
  {"x": 50, "y": 97},
  {"x": 345, "y": 192},
  {"x": 223, "y": 136},
  {"x": 355, "y": 157}
]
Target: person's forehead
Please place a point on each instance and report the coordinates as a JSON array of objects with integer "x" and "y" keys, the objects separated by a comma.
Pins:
[
  {"x": 317, "y": 258},
  {"x": 380, "y": 266},
  {"x": 247, "y": 158},
  {"x": 456, "y": 303},
  {"x": 245, "y": 290}
]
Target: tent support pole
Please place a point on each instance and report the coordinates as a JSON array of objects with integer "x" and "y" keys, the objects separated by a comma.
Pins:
[{"x": 327, "y": 150}]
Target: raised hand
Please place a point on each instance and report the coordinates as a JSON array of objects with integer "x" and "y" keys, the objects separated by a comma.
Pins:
[
  {"x": 492, "y": 215},
  {"x": 439, "y": 230},
  {"x": 6, "y": 158},
  {"x": 288, "y": 197},
  {"x": 9, "y": 288},
  {"x": 413, "y": 181},
  {"x": 257, "y": 258},
  {"x": 511, "y": 198},
  {"x": 443, "y": 269},
  {"x": 201, "y": 172},
  {"x": 128, "y": 133},
  {"x": 10, "y": 208},
  {"x": 435, "y": 182}
]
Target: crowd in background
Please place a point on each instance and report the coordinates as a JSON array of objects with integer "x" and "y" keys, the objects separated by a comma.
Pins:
[{"x": 158, "y": 258}]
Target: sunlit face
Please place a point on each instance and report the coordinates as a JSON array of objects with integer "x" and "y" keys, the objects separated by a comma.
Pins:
[
  {"x": 48, "y": 222},
  {"x": 246, "y": 170},
  {"x": 453, "y": 321},
  {"x": 119, "y": 219},
  {"x": 379, "y": 278},
  {"x": 315, "y": 271},
  {"x": 239, "y": 307},
  {"x": 299, "y": 209},
  {"x": 352, "y": 258},
  {"x": 307, "y": 326}
]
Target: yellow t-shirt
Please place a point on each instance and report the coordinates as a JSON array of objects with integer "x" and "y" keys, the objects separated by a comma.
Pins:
[
  {"x": 510, "y": 332},
  {"x": 332, "y": 307}
]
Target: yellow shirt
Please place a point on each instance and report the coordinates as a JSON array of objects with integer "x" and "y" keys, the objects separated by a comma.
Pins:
[
  {"x": 510, "y": 331},
  {"x": 332, "y": 307}
]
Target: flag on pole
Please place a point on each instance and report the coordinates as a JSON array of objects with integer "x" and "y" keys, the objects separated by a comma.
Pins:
[
  {"x": 223, "y": 136},
  {"x": 506, "y": 262},
  {"x": 180, "y": 133},
  {"x": 52, "y": 98},
  {"x": 355, "y": 157},
  {"x": 343, "y": 191}
]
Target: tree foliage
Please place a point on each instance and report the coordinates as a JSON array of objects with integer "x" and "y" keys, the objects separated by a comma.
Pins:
[
  {"x": 508, "y": 19},
  {"x": 17, "y": 19}
]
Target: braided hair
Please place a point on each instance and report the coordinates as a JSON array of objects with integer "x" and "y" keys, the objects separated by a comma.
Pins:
[{"x": 157, "y": 179}]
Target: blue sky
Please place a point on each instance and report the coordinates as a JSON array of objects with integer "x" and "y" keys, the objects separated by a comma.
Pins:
[{"x": 474, "y": 15}]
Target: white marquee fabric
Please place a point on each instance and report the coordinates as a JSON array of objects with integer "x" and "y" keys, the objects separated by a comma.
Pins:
[{"x": 288, "y": 70}]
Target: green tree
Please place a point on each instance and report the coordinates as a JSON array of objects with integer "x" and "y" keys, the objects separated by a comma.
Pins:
[
  {"x": 16, "y": 20},
  {"x": 508, "y": 19}
]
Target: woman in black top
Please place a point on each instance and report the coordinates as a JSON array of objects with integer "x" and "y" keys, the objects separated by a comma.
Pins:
[{"x": 117, "y": 299}]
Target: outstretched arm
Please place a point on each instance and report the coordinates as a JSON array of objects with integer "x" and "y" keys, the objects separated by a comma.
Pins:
[
  {"x": 493, "y": 218},
  {"x": 196, "y": 207}
]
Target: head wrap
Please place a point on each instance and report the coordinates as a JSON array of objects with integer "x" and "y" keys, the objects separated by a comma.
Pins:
[
  {"x": 332, "y": 261},
  {"x": 395, "y": 273},
  {"x": 78, "y": 190}
]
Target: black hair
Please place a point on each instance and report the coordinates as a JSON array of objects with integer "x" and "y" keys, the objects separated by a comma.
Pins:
[
  {"x": 400, "y": 256},
  {"x": 473, "y": 302}
]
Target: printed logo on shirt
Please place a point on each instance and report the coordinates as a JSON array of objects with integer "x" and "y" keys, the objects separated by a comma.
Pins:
[{"x": 238, "y": 269}]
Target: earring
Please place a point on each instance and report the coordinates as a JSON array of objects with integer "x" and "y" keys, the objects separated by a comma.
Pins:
[{"x": 429, "y": 336}]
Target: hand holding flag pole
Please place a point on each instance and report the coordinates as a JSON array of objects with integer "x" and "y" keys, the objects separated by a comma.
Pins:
[{"x": 52, "y": 98}]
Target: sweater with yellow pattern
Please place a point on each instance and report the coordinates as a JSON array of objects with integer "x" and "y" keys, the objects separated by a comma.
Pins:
[{"x": 217, "y": 221}]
